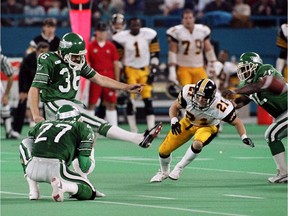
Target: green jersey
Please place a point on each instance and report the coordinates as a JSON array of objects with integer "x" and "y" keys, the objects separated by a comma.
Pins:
[
  {"x": 56, "y": 80},
  {"x": 273, "y": 104},
  {"x": 64, "y": 140}
]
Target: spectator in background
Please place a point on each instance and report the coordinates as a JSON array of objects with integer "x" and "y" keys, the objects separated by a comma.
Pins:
[
  {"x": 34, "y": 9},
  {"x": 217, "y": 14},
  {"x": 218, "y": 5},
  {"x": 281, "y": 7},
  {"x": 11, "y": 7},
  {"x": 281, "y": 42},
  {"x": 173, "y": 7},
  {"x": 26, "y": 75},
  {"x": 200, "y": 7},
  {"x": 119, "y": 5},
  {"x": 106, "y": 10},
  {"x": 46, "y": 4},
  {"x": 241, "y": 15},
  {"x": 264, "y": 8},
  {"x": 103, "y": 57},
  {"x": 57, "y": 10},
  {"x": 134, "y": 7},
  {"x": 47, "y": 35}
]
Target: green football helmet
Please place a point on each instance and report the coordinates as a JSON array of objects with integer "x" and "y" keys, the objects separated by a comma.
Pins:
[
  {"x": 73, "y": 50},
  {"x": 248, "y": 65},
  {"x": 68, "y": 113}
]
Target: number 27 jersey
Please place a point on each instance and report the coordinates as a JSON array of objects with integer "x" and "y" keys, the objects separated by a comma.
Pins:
[{"x": 220, "y": 109}]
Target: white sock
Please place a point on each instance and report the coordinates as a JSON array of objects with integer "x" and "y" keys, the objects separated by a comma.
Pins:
[
  {"x": 33, "y": 185},
  {"x": 165, "y": 164},
  {"x": 280, "y": 160},
  {"x": 150, "y": 121},
  {"x": 69, "y": 187},
  {"x": 112, "y": 117},
  {"x": 118, "y": 133},
  {"x": 132, "y": 123},
  {"x": 8, "y": 124},
  {"x": 187, "y": 158}
]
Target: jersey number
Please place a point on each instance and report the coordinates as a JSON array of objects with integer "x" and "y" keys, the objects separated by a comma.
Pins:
[
  {"x": 75, "y": 80},
  {"x": 222, "y": 106},
  {"x": 137, "y": 52},
  {"x": 198, "y": 45},
  {"x": 47, "y": 126}
]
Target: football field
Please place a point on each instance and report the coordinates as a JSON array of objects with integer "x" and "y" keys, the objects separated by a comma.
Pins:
[{"x": 226, "y": 179}]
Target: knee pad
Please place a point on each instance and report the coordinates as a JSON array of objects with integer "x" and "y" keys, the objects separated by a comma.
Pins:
[{"x": 148, "y": 106}]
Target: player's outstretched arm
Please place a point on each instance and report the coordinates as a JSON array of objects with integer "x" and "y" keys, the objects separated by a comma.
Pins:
[
  {"x": 113, "y": 84},
  {"x": 238, "y": 124}
]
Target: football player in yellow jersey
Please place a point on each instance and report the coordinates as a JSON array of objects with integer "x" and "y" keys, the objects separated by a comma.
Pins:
[
  {"x": 187, "y": 44},
  {"x": 205, "y": 109},
  {"x": 281, "y": 42},
  {"x": 139, "y": 48}
]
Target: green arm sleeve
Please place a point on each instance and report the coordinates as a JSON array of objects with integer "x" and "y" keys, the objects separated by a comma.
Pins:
[{"x": 84, "y": 163}]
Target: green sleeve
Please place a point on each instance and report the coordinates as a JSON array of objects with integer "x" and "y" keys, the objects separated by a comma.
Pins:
[
  {"x": 84, "y": 163},
  {"x": 87, "y": 71}
]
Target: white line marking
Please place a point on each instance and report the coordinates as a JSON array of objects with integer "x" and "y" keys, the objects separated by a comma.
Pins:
[
  {"x": 188, "y": 167},
  {"x": 252, "y": 158},
  {"x": 157, "y": 197},
  {"x": 144, "y": 205},
  {"x": 170, "y": 208},
  {"x": 241, "y": 196}
]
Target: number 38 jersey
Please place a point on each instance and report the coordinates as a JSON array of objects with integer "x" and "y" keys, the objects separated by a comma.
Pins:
[
  {"x": 61, "y": 139},
  {"x": 56, "y": 80},
  {"x": 190, "y": 45},
  {"x": 220, "y": 109},
  {"x": 137, "y": 48}
]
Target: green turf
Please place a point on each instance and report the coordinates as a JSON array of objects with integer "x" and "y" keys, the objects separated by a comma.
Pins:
[{"x": 228, "y": 178}]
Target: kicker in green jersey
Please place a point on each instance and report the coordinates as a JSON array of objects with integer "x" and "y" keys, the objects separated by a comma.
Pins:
[{"x": 56, "y": 79}]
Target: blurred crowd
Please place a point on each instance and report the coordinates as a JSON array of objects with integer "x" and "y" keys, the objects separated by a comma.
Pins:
[{"x": 236, "y": 13}]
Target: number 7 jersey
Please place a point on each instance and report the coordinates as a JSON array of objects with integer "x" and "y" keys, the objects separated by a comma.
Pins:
[{"x": 220, "y": 109}]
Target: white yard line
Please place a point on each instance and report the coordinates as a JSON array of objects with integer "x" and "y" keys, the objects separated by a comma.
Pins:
[
  {"x": 143, "y": 206},
  {"x": 242, "y": 196},
  {"x": 119, "y": 160},
  {"x": 157, "y": 197}
]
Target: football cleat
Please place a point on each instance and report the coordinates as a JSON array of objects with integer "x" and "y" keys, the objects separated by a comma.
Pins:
[
  {"x": 12, "y": 135},
  {"x": 278, "y": 178},
  {"x": 99, "y": 194},
  {"x": 57, "y": 193},
  {"x": 159, "y": 177},
  {"x": 176, "y": 173},
  {"x": 34, "y": 192},
  {"x": 149, "y": 135}
]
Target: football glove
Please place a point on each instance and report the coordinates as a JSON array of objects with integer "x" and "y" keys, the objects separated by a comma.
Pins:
[
  {"x": 175, "y": 126},
  {"x": 248, "y": 142},
  {"x": 151, "y": 76}
]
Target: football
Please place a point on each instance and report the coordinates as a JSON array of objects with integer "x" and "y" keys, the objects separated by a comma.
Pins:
[{"x": 274, "y": 85}]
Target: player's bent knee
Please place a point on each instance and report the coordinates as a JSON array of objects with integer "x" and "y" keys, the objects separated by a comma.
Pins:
[{"x": 197, "y": 145}]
